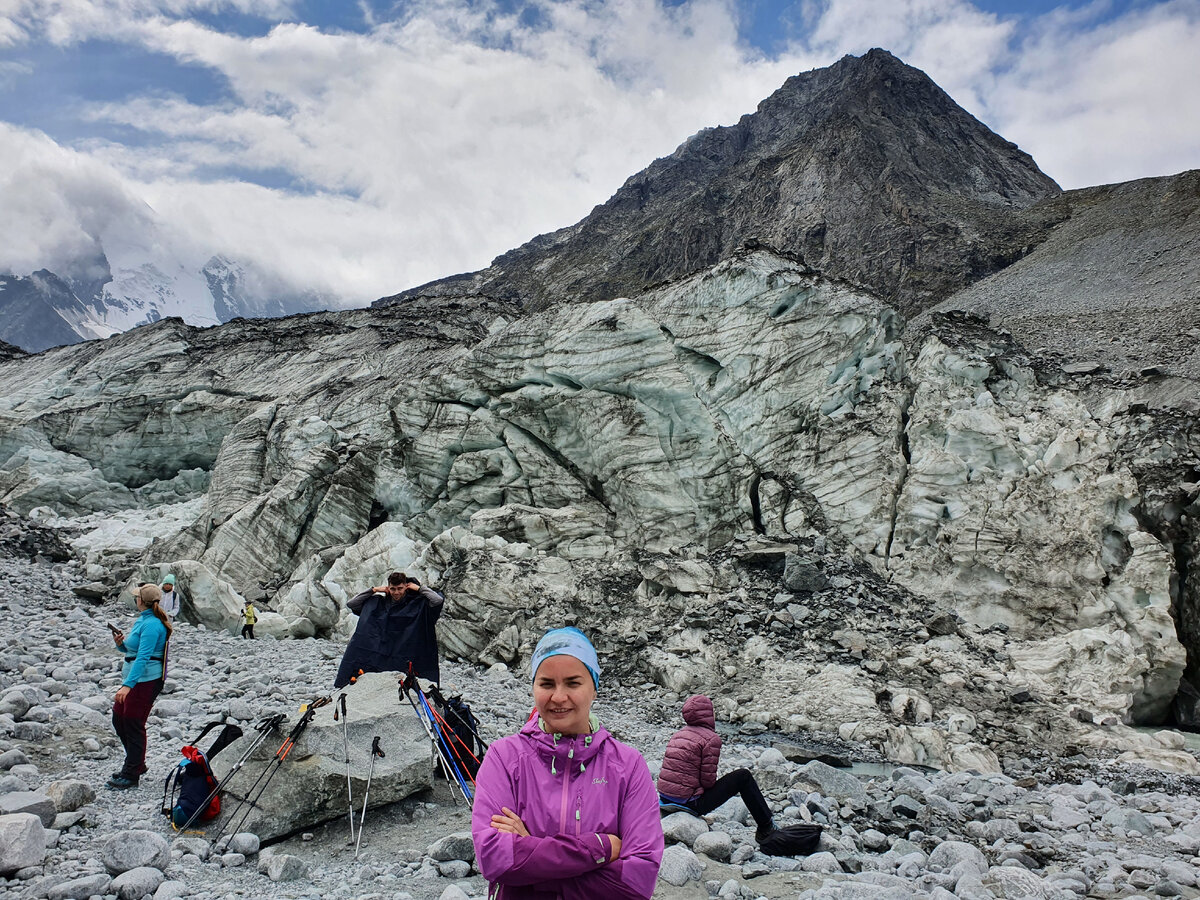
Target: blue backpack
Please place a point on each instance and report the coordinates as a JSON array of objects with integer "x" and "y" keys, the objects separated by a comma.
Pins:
[{"x": 191, "y": 784}]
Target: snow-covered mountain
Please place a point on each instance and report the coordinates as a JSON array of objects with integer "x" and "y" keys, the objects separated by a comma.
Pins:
[{"x": 94, "y": 298}]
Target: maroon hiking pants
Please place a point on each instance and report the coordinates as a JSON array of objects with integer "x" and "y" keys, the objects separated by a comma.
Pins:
[{"x": 129, "y": 719}]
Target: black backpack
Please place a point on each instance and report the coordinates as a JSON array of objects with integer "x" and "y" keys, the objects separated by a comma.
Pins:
[
  {"x": 795, "y": 840},
  {"x": 468, "y": 746},
  {"x": 192, "y": 782}
]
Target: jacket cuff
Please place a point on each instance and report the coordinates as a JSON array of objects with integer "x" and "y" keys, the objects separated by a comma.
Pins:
[{"x": 605, "y": 843}]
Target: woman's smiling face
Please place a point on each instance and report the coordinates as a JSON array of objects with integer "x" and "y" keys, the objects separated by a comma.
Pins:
[{"x": 563, "y": 693}]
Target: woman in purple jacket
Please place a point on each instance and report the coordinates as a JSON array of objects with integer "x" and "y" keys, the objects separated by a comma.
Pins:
[
  {"x": 688, "y": 777},
  {"x": 563, "y": 809}
]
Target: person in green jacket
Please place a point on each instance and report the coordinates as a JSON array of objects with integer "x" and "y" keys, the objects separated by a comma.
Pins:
[{"x": 145, "y": 649}]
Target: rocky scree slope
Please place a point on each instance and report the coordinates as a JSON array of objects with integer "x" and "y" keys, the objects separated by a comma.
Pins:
[
  {"x": 1115, "y": 287},
  {"x": 865, "y": 169},
  {"x": 1049, "y": 828},
  {"x": 617, "y": 463}
]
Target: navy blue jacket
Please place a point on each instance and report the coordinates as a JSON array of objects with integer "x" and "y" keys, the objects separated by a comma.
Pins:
[{"x": 391, "y": 634}]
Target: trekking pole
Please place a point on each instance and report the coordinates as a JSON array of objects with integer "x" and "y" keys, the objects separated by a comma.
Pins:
[
  {"x": 264, "y": 728},
  {"x": 253, "y": 795},
  {"x": 376, "y": 751},
  {"x": 445, "y": 735},
  {"x": 443, "y": 747},
  {"x": 434, "y": 750},
  {"x": 451, "y": 737},
  {"x": 346, "y": 751}
]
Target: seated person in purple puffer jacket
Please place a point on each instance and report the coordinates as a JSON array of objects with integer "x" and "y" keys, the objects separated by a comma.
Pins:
[{"x": 688, "y": 777}]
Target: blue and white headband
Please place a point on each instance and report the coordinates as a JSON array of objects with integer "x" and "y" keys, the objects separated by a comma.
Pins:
[{"x": 566, "y": 642}]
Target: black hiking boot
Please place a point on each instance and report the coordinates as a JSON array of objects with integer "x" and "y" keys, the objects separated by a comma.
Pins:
[
  {"x": 122, "y": 783},
  {"x": 763, "y": 830}
]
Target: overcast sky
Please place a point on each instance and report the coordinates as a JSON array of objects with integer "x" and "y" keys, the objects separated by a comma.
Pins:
[{"x": 365, "y": 147}]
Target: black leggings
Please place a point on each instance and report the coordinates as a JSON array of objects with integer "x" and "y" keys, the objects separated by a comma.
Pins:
[
  {"x": 248, "y": 631},
  {"x": 739, "y": 781}
]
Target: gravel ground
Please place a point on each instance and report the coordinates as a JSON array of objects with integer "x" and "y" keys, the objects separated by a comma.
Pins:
[{"x": 1054, "y": 829}]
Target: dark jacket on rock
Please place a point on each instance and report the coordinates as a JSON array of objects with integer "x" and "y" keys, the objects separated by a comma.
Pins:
[
  {"x": 391, "y": 634},
  {"x": 689, "y": 766}
]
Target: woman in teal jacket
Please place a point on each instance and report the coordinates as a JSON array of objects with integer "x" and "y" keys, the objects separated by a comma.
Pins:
[{"x": 145, "y": 649}]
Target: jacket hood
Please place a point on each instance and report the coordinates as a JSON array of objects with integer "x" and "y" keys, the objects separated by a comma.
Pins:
[{"x": 698, "y": 710}]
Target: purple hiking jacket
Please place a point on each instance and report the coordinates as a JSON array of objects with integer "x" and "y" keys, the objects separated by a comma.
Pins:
[{"x": 567, "y": 791}]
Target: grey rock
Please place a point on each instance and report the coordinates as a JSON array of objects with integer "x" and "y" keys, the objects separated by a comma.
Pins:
[
  {"x": 717, "y": 845},
  {"x": 454, "y": 868},
  {"x": 1127, "y": 820},
  {"x": 948, "y": 854},
  {"x": 1015, "y": 883},
  {"x": 22, "y": 842},
  {"x": 137, "y": 883},
  {"x": 197, "y": 846},
  {"x": 874, "y": 840},
  {"x": 66, "y": 820},
  {"x": 29, "y": 802},
  {"x": 453, "y": 892},
  {"x": 755, "y": 869},
  {"x": 13, "y": 757},
  {"x": 168, "y": 708},
  {"x": 135, "y": 849},
  {"x": 283, "y": 867},
  {"x": 81, "y": 888},
  {"x": 823, "y": 862},
  {"x": 245, "y": 843},
  {"x": 831, "y": 782},
  {"x": 680, "y": 865},
  {"x": 453, "y": 846},
  {"x": 683, "y": 827},
  {"x": 316, "y": 792},
  {"x": 803, "y": 574},
  {"x": 68, "y": 795},
  {"x": 170, "y": 890}
]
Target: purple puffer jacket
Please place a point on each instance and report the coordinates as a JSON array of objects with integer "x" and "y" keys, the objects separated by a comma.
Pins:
[
  {"x": 689, "y": 766},
  {"x": 569, "y": 791}
]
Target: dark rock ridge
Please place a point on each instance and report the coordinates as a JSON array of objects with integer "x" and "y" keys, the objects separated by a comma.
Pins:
[
  {"x": 866, "y": 169},
  {"x": 39, "y": 311}
]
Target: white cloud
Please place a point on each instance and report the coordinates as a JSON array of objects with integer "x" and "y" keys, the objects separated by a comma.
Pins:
[
  {"x": 1100, "y": 103},
  {"x": 427, "y": 145},
  {"x": 432, "y": 146},
  {"x": 58, "y": 204},
  {"x": 65, "y": 22}
]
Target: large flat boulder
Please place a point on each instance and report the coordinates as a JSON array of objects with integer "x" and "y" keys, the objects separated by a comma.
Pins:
[{"x": 310, "y": 786}]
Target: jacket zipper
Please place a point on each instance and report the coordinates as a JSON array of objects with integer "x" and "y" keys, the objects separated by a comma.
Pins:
[
  {"x": 578, "y": 812},
  {"x": 562, "y": 816}
]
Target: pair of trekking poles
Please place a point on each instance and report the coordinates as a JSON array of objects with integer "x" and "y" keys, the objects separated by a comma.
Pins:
[
  {"x": 454, "y": 758},
  {"x": 264, "y": 729},
  {"x": 376, "y": 753}
]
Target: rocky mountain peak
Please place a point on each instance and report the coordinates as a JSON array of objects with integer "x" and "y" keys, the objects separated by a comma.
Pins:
[{"x": 866, "y": 168}]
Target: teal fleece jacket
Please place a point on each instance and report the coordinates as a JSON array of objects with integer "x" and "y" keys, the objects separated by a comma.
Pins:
[{"x": 145, "y": 641}]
